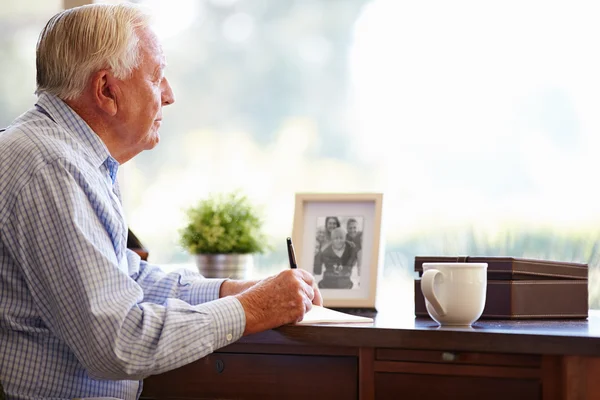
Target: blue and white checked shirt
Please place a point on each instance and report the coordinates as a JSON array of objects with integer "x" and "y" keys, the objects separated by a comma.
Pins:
[{"x": 80, "y": 315}]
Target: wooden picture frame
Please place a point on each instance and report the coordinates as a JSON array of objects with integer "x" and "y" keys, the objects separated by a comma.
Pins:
[{"x": 347, "y": 272}]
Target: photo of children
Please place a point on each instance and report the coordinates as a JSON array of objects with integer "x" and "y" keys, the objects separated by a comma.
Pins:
[{"x": 338, "y": 251}]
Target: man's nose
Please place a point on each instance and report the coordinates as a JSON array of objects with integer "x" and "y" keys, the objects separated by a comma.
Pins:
[{"x": 167, "y": 93}]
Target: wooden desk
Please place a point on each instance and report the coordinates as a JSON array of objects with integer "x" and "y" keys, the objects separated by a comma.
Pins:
[{"x": 399, "y": 357}]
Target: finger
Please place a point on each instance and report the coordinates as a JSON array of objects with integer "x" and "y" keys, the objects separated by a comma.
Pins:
[
  {"x": 317, "y": 298},
  {"x": 308, "y": 290},
  {"x": 306, "y": 276},
  {"x": 307, "y": 305}
]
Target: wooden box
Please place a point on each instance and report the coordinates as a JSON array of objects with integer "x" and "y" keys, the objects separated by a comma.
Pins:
[{"x": 523, "y": 289}]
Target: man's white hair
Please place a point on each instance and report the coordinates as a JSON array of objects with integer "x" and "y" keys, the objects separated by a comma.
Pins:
[
  {"x": 81, "y": 41},
  {"x": 341, "y": 232}
]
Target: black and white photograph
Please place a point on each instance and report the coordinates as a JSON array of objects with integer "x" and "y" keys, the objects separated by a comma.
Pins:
[
  {"x": 337, "y": 237},
  {"x": 338, "y": 252}
]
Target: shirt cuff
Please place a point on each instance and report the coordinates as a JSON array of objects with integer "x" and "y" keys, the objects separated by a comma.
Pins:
[
  {"x": 204, "y": 290},
  {"x": 228, "y": 320}
]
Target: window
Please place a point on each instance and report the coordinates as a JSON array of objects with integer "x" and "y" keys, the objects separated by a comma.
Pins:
[
  {"x": 478, "y": 121},
  {"x": 20, "y": 26}
]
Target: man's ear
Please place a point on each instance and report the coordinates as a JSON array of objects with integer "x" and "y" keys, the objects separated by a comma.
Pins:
[{"x": 105, "y": 92}]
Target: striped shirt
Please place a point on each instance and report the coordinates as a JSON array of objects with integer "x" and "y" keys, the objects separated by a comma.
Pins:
[{"x": 81, "y": 315}]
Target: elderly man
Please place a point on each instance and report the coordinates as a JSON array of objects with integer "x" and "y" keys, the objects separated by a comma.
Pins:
[{"x": 80, "y": 315}]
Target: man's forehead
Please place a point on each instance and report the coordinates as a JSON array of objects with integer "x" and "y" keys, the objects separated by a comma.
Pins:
[
  {"x": 151, "y": 43},
  {"x": 152, "y": 52}
]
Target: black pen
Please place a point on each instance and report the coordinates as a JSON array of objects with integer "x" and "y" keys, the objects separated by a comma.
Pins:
[{"x": 291, "y": 254}]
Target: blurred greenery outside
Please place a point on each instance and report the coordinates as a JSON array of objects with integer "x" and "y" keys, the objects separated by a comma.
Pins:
[{"x": 482, "y": 140}]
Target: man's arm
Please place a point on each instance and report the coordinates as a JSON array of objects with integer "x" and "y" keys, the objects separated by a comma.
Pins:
[
  {"x": 86, "y": 297},
  {"x": 64, "y": 239},
  {"x": 185, "y": 285},
  {"x": 232, "y": 287}
]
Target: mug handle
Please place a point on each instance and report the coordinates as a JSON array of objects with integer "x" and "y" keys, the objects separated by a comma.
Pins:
[{"x": 427, "y": 282}]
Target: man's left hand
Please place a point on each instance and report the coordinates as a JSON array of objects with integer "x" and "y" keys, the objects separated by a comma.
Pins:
[{"x": 233, "y": 287}]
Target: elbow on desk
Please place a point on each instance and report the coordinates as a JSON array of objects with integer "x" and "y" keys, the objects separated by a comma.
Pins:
[{"x": 114, "y": 364}]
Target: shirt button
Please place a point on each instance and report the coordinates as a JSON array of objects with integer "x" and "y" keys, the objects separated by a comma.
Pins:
[{"x": 229, "y": 337}]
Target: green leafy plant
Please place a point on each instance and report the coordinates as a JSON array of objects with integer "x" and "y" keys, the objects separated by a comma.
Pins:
[{"x": 225, "y": 223}]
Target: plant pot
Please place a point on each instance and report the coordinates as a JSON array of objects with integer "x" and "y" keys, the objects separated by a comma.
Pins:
[{"x": 234, "y": 266}]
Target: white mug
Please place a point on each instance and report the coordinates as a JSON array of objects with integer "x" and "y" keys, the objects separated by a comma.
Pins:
[{"x": 454, "y": 292}]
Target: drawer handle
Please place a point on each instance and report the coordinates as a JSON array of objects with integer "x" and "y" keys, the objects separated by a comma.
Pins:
[
  {"x": 219, "y": 366},
  {"x": 448, "y": 356}
]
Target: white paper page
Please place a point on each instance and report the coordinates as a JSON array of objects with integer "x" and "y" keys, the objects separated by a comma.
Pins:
[{"x": 322, "y": 315}]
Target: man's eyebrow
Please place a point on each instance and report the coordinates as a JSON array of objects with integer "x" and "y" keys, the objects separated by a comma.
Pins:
[
  {"x": 159, "y": 69},
  {"x": 163, "y": 61}
]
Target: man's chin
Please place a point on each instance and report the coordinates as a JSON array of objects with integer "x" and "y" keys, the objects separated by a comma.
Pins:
[{"x": 153, "y": 141}]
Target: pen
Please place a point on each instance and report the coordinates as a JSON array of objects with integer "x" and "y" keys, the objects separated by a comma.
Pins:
[{"x": 291, "y": 254}]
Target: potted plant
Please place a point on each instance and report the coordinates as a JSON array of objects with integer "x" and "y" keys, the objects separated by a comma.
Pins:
[{"x": 223, "y": 231}]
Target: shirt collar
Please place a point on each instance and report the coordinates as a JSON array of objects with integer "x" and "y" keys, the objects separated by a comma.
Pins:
[{"x": 69, "y": 120}]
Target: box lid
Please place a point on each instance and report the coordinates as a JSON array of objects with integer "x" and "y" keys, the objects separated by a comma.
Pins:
[{"x": 508, "y": 268}]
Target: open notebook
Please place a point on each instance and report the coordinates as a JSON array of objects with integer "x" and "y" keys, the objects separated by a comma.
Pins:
[{"x": 322, "y": 315}]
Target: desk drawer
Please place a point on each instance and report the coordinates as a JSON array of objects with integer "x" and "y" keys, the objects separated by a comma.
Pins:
[
  {"x": 446, "y": 375},
  {"x": 258, "y": 376},
  {"x": 451, "y": 387}
]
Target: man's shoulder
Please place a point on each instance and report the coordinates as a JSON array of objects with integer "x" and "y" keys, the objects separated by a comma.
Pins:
[
  {"x": 27, "y": 146},
  {"x": 33, "y": 137}
]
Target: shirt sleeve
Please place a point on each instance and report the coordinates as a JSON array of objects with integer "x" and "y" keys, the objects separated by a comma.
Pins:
[
  {"x": 60, "y": 237},
  {"x": 159, "y": 286}
]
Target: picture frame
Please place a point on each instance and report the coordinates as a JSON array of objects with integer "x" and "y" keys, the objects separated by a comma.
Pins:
[{"x": 347, "y": 268}]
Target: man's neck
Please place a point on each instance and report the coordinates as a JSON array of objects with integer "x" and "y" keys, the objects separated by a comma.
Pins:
[{"x": 104, "y": 131}]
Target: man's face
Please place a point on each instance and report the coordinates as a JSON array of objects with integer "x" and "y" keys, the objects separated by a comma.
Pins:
[
  {"x": 338, "y": 239},
  {"x": 352, "y": 229},
  {"x": 144, "y": 94}
]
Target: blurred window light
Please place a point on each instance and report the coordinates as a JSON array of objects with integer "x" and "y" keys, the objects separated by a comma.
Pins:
[
  {"x": 477, "y": 120},
  {"x": 238, "y": 27}
]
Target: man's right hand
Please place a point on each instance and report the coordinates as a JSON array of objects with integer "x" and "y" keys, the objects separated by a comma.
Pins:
[{"x": 279, "y": 300}]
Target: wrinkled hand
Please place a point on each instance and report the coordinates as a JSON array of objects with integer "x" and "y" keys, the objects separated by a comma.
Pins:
[
  {"x": 232, "y": 287},
  {"x": 279, "y": 300}
]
